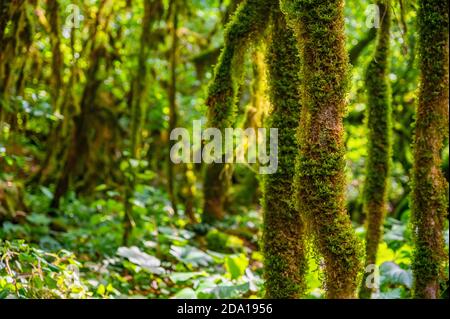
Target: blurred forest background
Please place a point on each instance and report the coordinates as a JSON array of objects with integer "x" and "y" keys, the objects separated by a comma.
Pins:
[{"x": 90, "y": 203}]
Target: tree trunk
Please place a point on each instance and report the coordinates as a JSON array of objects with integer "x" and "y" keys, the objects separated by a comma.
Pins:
[
  {"x": 283, "y": 231},
  {"x": 173, "y": 104},
  {"x": 430, "y": 188},
  {"x": 379, "y": 142},
  {"x": 320, "y": 175}
]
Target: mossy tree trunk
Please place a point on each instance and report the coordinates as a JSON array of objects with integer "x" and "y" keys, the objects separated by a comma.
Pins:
[
  {"x": 320, "y": 175},
  {"x": 283, "y": 233},
  {"x": 243, "y": 29},
  {"x": 379, "y": 141},
  {"x": 430, "y": 188},
  {"x": 15, "y": 44}
]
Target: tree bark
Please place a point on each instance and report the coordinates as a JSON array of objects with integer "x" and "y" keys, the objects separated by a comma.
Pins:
[
  {"x": 379, "y": 142},
  {"x": 430, "y": 188},
  {"x": 284, "y": 243},
  {"x": 320, "y": 175}
]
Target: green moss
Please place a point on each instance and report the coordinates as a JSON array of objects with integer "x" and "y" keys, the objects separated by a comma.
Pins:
[
  {"x": 320, "y": 178},
  {"x": 429, "y": 187},
  {"x": 245, "y": 27},
  {"x": 284, "y": 248},
  {"x": 379, "y": 140},
  {"x": 256, "y": 113},
  {"x": 15, "y": 42}
]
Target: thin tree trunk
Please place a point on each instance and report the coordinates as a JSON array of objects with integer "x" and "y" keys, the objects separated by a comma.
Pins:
[
  {"x": 57, "y": 57},
  {"x": 379, "y": 142},
  {"x": 173, "y": 104},
  {"x": 430, "y": 188}
]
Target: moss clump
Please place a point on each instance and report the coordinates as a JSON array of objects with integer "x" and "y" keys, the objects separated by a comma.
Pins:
[
  {"x": 379, "y": 140},
  {"x": 283, "y": 234},
  {"x": 244, "y": 28},
  {"x": 320, "y": 178},
  {"x": 429, "y": 187}
]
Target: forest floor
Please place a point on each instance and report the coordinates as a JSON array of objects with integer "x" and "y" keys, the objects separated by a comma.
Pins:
[{"x": 79, "y": 252}]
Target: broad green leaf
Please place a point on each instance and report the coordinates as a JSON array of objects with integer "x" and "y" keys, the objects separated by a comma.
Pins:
[
  {"x": 38, "y": 219},
  {"x": 391, "y": 273},
  {"x": 186, "y": 293},
  {"x": 236, "y": 265},
  {"x": 234, "y": 291},
  {"x": 178, "y": 277},
  {"x": 143, "y": 260},
  {"x": 385, "y": 254},
  {"x": 191, "y": 255}
]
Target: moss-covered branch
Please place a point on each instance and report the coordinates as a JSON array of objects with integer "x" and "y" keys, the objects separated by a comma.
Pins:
[
  {"x": 283, "y": 236},
  {"x": 379, "y": 140},
  {"x": 244, "y": 28},
  {"x": 320, "y": 176},
  {"x": 430, "y": 189}
]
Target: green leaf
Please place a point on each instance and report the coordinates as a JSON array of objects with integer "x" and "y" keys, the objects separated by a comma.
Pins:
[
  {"x": 186, "y": 293},
  {"x": 234, "y": 291},
  {"x": 385, "y": 254},
  {"x": 178, "y": 277},
  {"x": 46, "y": 192},
  {"x": 101, "y": 187},
  {"x": 4, "y": 293},
  {"x": 391, "y": 273},
  {"x": 38, "y": 219},
  {"x": 191, "y": 255},
  {"x": 236, "y": 265},
  {"x": 143, "y": 260},
  {"x": 101, "y": 289},
  {"x": 395, "y": 293}
]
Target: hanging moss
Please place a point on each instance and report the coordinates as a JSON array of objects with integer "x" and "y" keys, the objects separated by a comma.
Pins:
[
  {"x": 256, "y": 113},
  {"x": 320, "y": 176},
  {"x": 429, "y": 187},
  {"x": 244, "y": 28},
  {"x": 246, "y": 190},
  {"x": 283, "y": 233},
  {"x": 379, "y": 141}
]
